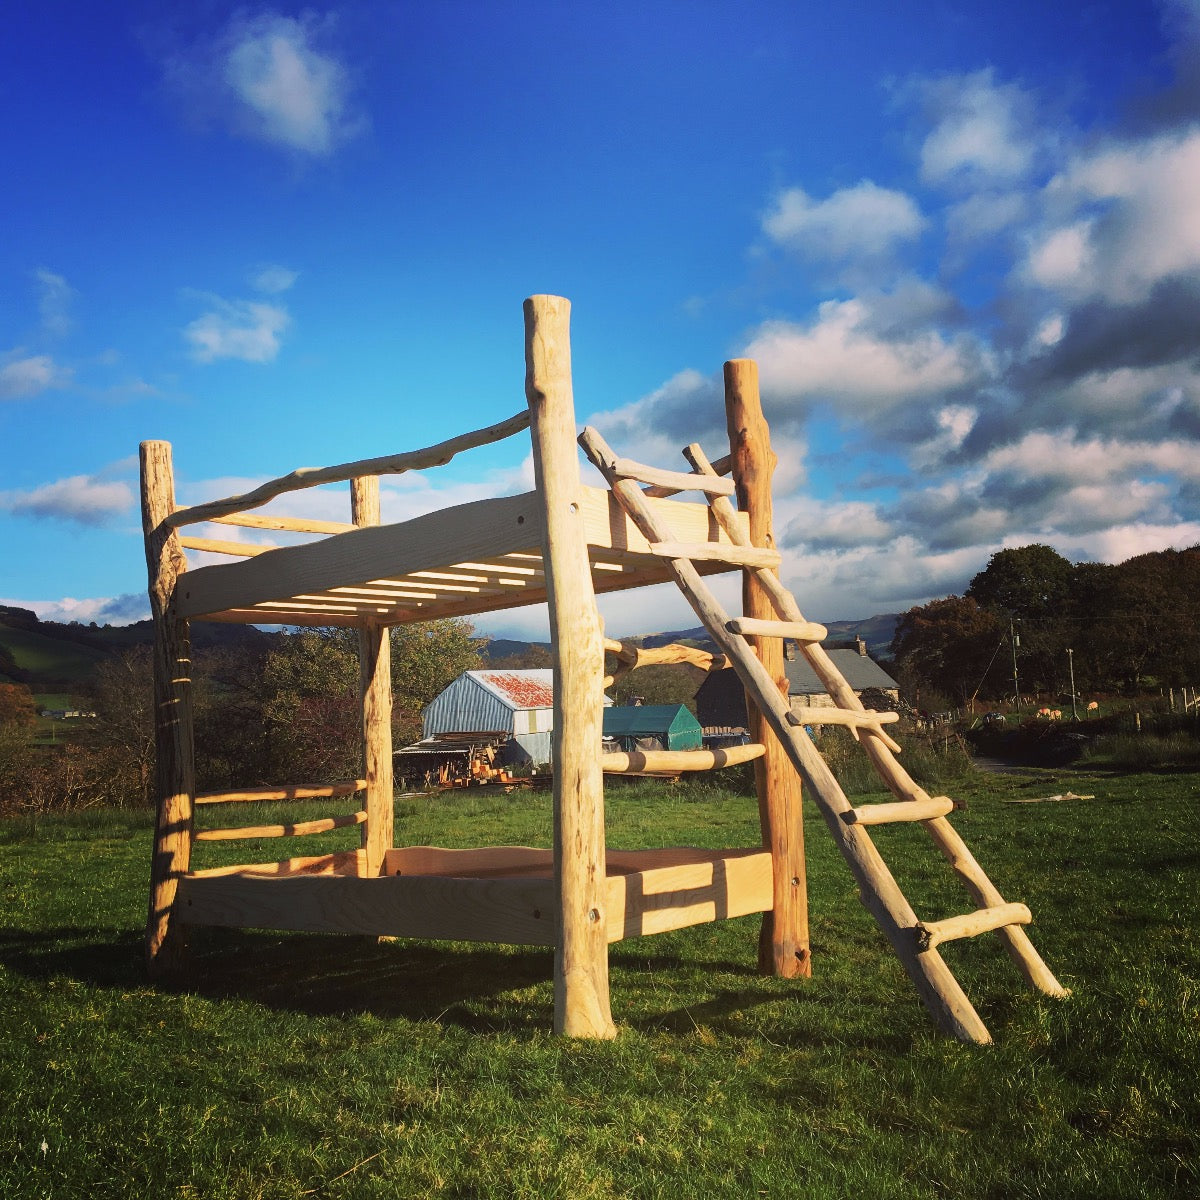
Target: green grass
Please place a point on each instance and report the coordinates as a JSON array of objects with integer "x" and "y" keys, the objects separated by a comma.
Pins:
[{"x": 304, "y": 1065}]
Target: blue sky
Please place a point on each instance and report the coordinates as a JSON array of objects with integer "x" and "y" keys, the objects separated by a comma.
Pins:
[{"x": 961, "y": 239}]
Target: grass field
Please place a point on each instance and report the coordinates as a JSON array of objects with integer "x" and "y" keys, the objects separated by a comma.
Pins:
[{"x": 297, "y": 1065}]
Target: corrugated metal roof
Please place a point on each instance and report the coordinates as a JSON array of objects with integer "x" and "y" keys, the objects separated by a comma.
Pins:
[{"x": 520, "y": 689}]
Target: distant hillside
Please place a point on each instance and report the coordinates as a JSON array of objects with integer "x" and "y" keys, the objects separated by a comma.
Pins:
[
  {"x": 876, "y": 631},
  {"x": 51, "y": 656},
  {"x": 496, "y": 648},
  {"x": 42, "y": 660}
]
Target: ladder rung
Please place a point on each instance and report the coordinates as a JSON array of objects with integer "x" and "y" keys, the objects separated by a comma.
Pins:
[
  {"x": 720, "y": 467},
  {"x": 677, "y": 481},
  {"x": 641, "y": 762},
  {"x": 933, "y": 933},
  {"x": 854, "y": 719},
  {"x": 738, "y": 556},
  {"x": 863, "y": 718},
  {"x": 900, "y": 810},
  {"x": 801, "y": 631}
]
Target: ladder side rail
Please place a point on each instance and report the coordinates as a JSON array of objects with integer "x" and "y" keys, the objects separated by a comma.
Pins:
[
  {"x": 947, "y": 839},
  {"x": 939, "y": 990}
]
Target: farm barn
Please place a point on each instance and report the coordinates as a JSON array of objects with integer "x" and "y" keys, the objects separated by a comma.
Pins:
[{"x": 521, "y": 703}]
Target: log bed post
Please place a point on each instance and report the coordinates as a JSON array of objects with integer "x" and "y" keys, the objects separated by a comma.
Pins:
[
  {"x": 581, "y": 1002},
  {"x": 375, "y": 693},
  {"x": 174, "y": 764},
  {"x": 783, "y": 946}
]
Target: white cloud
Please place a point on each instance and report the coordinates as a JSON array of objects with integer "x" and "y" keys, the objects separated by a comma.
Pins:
[
  {"x": 86, "y": 499},
  {"x": 983, "y": 130},
  {"x": 861, "y": 222},
  {"x": 273, "y": 78},
  {"x": 654, "y": 429},
  {"x": 819, "y": 524},
  {"x": 1064, "y": 258},
  {"x": 1050, "y": 331},
  {"x": 1134, "y": 220},
  {"x": 984, "y": 214},
  {"x": 273, "y": 279},
  {"x": 297, "y": 93},
  {"x": 840, "y": 358},
  {"x": 54, "y": 302},
  {"x": 954, "y": 422},
  {"x": 21, "y": 378},
  {"x": 1062, "y": 456},
  {"x": 866, "y": 580},
  {"x": 104, "y": 610},
  {"x": 1120, "y": 542},
  {"x": 245, "y": 329}
]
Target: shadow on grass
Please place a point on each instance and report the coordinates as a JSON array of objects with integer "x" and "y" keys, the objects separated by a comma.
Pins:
[
  {"x": 472, "y": 987},
  {"x": 475, "y": 988},
  {"x": 306, "y": 974}
]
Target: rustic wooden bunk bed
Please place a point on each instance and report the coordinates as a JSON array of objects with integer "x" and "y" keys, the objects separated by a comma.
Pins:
[{"x": 561, "y": 543}]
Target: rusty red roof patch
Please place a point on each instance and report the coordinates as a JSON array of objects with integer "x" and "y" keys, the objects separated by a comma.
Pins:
[{"x": 522, "y": 689}]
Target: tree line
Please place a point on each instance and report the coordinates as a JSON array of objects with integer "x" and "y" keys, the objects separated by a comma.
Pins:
[
  {"x": 1119, "y": 628},
  {"x": 285, "y": 713}
]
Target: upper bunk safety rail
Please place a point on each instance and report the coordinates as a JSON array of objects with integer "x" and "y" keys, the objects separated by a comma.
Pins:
[{"x": 306, "y": 477}]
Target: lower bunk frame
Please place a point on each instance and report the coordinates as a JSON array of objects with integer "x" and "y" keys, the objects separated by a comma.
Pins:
[{"x": 503, "y": 894}]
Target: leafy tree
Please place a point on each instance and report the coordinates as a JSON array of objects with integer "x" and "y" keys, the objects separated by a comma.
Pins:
[
  {"x": 1032, "y": 585},
  {"x": 123, "y": 697},
  {"x": 952, "y": 645},
  {"x": 1030, "y": 581},
  {"x": 16, "y": 761},
  {"x": 310, "y": 693},
  {"x": 425, "y": 658},
  {"x": 674, "y": 683},
  {"x": 310, "y": 707}
]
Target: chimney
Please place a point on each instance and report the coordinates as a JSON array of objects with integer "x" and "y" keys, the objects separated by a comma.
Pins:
[
  {"x": 862, "y": 646},
  {"x": 789, "y": 651}
]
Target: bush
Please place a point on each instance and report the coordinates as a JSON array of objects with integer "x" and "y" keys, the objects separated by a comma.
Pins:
[
  {"x": 935, "y": 768},
  {"x": 1165, "y": 740}
]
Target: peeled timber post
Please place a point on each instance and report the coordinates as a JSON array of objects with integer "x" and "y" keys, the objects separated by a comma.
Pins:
[
  {"x": 581, "y": 1002},
  {"x": 783, "y": 947},
  {"x": 375, "y": 689},
  {"x": 174, "y": 768}
]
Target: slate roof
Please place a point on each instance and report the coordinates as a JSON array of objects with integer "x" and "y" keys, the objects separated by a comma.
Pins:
[
  {"x": 860, "y": 672},
  {"x": 721, "y": 700}
]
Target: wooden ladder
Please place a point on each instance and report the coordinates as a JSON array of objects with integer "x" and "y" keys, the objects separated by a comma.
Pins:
[{"x": 914, "y": 941}]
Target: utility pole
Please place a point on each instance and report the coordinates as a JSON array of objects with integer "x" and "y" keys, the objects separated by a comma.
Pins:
[
  {"x": 1015, "y": 641},
  {"x": 1071, "y": 668}
]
